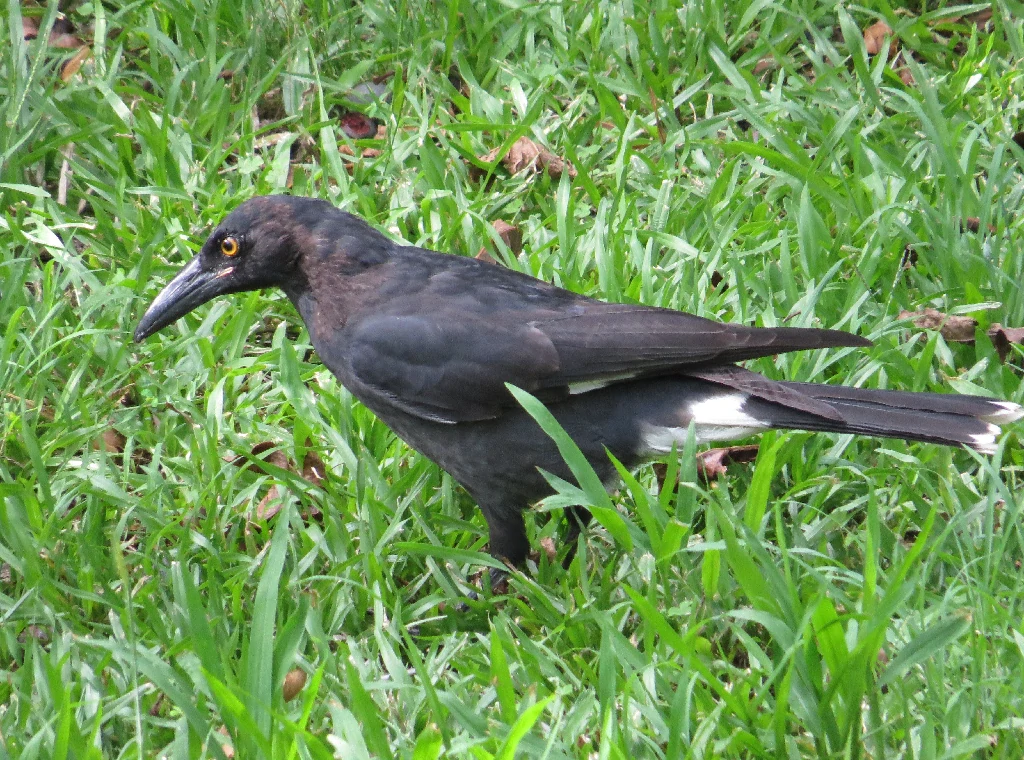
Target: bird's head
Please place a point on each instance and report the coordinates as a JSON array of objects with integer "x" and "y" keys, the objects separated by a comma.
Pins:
[{"x": 258, "y": 245}]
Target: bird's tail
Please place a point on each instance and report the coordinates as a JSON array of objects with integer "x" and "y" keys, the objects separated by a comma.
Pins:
[{"x": 948, "y": 419}]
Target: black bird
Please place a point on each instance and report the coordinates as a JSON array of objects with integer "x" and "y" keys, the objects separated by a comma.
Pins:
[{"x": 428, "y": 341}]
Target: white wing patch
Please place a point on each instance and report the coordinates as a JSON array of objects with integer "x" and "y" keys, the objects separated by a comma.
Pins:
[
  {"x": 585, "y": 386},
  {"x": 717, "y": 418}
]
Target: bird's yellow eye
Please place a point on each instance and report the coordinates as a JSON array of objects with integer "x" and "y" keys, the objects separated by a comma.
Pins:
[{"x": 229, "y": 246}]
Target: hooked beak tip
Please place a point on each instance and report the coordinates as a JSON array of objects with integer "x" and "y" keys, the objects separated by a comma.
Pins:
[{"x": 189, "y": 288}]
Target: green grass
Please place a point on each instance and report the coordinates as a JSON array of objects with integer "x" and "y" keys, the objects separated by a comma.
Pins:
[{"x": 841, "y": 597}]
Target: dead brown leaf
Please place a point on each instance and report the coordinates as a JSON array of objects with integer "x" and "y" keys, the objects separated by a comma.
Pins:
[
  {"x": 347, "y": 150},
  {"x": 510, "y": 234},
  {"x": 1019, "y": 139},
  {"x": 358, "y": 126},
  {"x": 275, "y": 456},
  {"x": 269, "y": 505},
  {"x": 60, "y": 33},
  {"x": 973, "y": 224},
  {"x": 953, "y": 327},
  {"x": 313, "y": 468},
  {"x": 768, "y": 63},
  {"x": 69, "y": 69},
  {"x": 713, "y": 463},
  {"x": 293, "y": 683},
  {"x": 526, "y": 154},
  {"x": 875, "y": 37},
  {"x": 547, "y": 545},
  {"x": 154, "y": 711},
  {"x": 111, "y": 441},
  {"x": 1004, "y": 337},
  {"x": 905, "y": 75}
]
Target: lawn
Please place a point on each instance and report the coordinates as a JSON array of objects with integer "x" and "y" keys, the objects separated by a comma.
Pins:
[{"x": 208, "y": 549}]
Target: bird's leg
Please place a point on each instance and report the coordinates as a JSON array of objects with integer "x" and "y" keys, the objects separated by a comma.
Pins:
[
  {"x": 578, "y": 518},
  {"x": 508, "y": 542}
]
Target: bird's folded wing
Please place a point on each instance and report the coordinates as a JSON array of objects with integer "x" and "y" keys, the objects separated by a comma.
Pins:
[
  {"x": 614, "y": 340},
  {"x": 454, "y": 367},
  {"x": 448, "y": 370}
]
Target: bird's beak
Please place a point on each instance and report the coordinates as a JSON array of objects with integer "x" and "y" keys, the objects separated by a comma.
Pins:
[{"x": 191, "y": 287}]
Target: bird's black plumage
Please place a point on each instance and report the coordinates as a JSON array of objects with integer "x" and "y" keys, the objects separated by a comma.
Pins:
[{"x": 428, "y": 342}]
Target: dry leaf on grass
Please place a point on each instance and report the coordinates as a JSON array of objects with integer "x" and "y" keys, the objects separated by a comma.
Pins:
[
  {"x": 62, "y": 38},
  {"x": 293, "y": 683},
  {"x": 510, "y": 235},
  {"x": 274, "y": 455},
  {"x": 953, "y": 327},
  {"x": 269, "y": 505},
  {"x": 154, "y": 711},
  {"x": 69, "y": 69},
  {"x": 713, "y": 463},
  {"x": 111, "y": 441},
  {"x": 768, "y": 63},
  {"x": 904, "y": 73},
  {"x": 973, "y": 224},
  {"x": 875, "y": 37},
  {"x": 114, "y": 443},
  {"x": 1003, "y": 339},
  {"x": 313, "y": 468},
  {"x": 358, "y": 126},
  {"x": 547, "y": 545},
  {"x": 526, "y": 154},
  {"x": 60, "y": 33}
]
